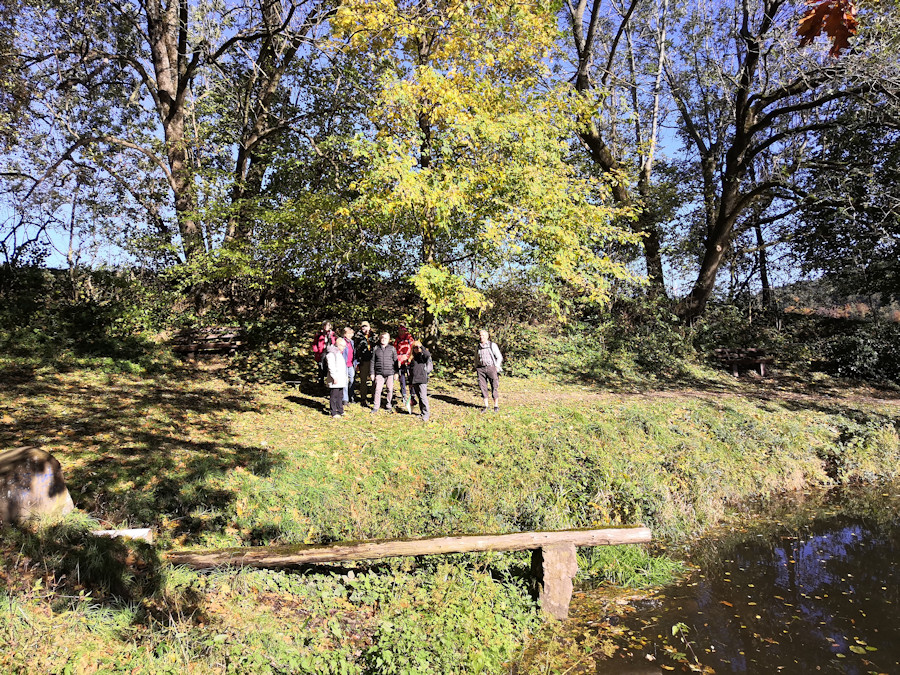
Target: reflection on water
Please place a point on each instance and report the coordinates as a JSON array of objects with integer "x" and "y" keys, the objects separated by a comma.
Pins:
[{"x": 811, "y": 588}]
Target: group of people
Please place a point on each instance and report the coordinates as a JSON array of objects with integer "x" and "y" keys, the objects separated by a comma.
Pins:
[{"x": 352, "y": 356}]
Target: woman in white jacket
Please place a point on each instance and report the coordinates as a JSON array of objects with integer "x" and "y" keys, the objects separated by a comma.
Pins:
[{"x": 336, "y": 365}]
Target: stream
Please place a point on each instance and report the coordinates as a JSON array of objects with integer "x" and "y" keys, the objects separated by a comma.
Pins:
[{"x": 810, "y": 583}]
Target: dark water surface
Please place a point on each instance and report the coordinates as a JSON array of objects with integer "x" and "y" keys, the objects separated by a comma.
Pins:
[{"x": 809, "y": 585}]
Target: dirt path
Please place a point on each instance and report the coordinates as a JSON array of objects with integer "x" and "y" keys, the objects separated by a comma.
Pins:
[
  {"x": 785, "y": 388},
  {"x": 454, "y": 401}
]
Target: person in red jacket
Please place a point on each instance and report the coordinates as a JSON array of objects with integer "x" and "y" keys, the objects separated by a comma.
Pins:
[
  {"x": 404, "y": 358},
  {"x": 324, "y": 339}
]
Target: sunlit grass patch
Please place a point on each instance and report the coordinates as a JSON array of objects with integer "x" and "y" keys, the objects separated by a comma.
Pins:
[
  {"x": 627, "y": 566},
  {"x": 211, "y": 464}
]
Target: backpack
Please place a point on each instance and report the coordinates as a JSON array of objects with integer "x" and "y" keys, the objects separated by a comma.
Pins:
[{"x": 496, "y": 354}]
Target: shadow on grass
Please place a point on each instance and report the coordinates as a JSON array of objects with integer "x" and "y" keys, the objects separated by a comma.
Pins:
[
  {"x": 143, "y": 451},
  {"x": 305, "y": 385},
  {"x": 317, "y": 405},
  {"x": 453, "y": 400},
  {"x": 76, "y": 564},
  {"x": 790, "y": 390}
]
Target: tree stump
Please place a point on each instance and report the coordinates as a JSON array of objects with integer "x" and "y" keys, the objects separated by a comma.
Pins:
[{"x": 552, "y": 570}]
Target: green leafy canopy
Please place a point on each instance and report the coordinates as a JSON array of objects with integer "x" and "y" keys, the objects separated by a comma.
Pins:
[{"x": 469, "y": 161}]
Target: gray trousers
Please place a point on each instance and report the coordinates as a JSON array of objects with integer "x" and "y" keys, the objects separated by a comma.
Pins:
[{"x": 421, "y": 393}]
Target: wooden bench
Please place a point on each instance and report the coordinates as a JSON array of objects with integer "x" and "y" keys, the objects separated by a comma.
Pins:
[
  {"x": 210, "y": 340},
  {"x": 553, "y": 561},
  {"x": 743, "y": 358}
]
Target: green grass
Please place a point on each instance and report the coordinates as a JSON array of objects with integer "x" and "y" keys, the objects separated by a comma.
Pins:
[{"x": 210, "y": 463}]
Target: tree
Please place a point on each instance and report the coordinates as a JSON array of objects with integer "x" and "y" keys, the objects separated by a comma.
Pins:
[
  {"x": 748, "y": 94},
  {"x": 255, "y": 105},
  {"x": 848, "y": 227},
  {"x": 603, "y": 68},
  {"x": 13, "y": 87},
  {"x": 123, "y": 77},
  {"x": 467, "y": 168}
]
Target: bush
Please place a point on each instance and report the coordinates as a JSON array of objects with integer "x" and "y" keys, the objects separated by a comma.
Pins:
[
  {"x": 455, "y": 621},
  {"x": 869, "y": 351},
  {"x": 651, "y": 332}
]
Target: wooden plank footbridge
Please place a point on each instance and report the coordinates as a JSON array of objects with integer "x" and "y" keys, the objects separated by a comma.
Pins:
[{"x": 553, "y": 561}]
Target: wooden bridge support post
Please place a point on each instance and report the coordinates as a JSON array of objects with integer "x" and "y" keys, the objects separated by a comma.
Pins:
[{"x": 553, "y": 568}]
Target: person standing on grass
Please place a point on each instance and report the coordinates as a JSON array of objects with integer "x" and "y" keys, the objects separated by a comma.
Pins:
[
  {"x": 384, "y": 367},
  {"x": 488, "y": 364},
  {"x": 404, "y": 356},
  {"x": 419, "y": 369},
  {"x": 336, "y": 366},
  {"x": 324, "y": 339},
  {"x": 351, "y": 371},
  {"x": 363, "y": 345}
]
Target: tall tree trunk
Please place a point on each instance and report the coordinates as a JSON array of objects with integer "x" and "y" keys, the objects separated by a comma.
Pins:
[
  {"x": 768, "y": 299},
  {"x": 652, "y": 254},
  {"x": 71, "y": 254},
  {"x": 249, "y": 172},
  {"x": 429, "y": 241},
  {"x": 185, "y": 201},
  {"x": 429, "y": 318},
  {"x": 715, "y": 246},
  {"x": 602, "y": 156},
  {"x": 173, "y": 66}
]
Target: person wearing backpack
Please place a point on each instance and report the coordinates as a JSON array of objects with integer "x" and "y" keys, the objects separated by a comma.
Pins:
[
  {"x": 363, "y": 345},
  {"x": 420, "y": 367},
  {"x": 488, "y": 364}
]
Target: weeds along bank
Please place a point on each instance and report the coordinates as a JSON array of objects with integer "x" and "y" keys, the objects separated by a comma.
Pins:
[{"x": 209, "y": 463}]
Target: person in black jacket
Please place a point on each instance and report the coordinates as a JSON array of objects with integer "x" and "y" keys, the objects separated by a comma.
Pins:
[
  {"x": 384, "y": 367},
  {"x": 419, "y": 368},
  {"x": 363, "y": 345}
]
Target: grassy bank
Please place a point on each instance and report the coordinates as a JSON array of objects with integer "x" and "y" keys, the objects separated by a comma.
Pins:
[{"x": 208, "y": 463}]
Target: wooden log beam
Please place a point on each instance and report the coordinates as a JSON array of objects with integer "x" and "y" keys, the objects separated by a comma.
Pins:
[{"x": 288, "y": 556}]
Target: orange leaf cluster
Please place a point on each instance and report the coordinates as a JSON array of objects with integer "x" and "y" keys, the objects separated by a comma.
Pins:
[{"x": 835, "y": 18}]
